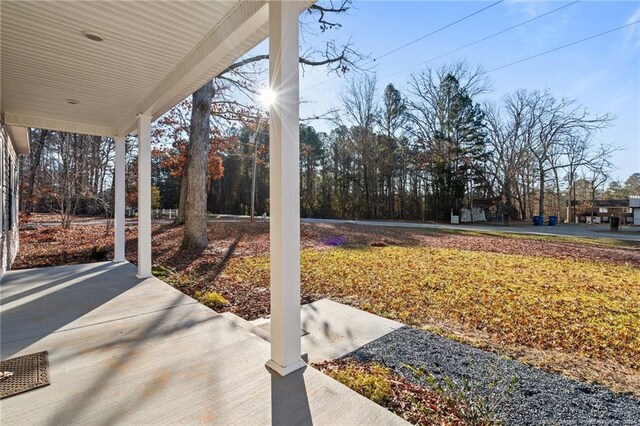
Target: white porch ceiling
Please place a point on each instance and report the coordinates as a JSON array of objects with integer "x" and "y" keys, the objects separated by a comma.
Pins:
[{"x": 154, "y": 54}]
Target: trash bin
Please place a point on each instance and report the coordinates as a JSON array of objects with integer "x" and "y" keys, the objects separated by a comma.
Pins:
[
  {"x": 614, "y": 224},
  {"x": 537, "y": 220},
  {"x": 553, "y": 220}
]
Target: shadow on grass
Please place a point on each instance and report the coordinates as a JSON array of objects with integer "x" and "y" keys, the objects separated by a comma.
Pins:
[{"x": 212, "y": 272}]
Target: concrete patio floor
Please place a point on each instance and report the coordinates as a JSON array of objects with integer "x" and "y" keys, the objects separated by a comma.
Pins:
[{"x": 130, "y": 351}]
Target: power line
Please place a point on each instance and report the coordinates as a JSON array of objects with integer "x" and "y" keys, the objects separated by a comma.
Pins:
[
  {"x": 532, "y": 56},
  {"x": 563, "y": 46},
  {"x": 437, "y": 31},
  {"x": 414, "y": 41},
  {"x": 481, "y": 40}
]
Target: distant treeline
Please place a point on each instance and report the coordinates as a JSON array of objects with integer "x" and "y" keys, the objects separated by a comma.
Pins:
[{"x": 418, "y": 155}]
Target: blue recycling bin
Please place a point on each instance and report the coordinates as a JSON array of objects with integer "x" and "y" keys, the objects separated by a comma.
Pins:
[
  {"x": 537, "y": 220},
  {"x": 553, "y": 220}
]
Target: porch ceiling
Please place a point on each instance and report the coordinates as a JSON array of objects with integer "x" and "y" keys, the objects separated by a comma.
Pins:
[{"x": 154, "y": 54}]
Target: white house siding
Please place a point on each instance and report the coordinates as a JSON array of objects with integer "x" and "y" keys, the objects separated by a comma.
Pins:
[
  {"x": 634, "y": 203},
  {"x": 8, "y": 202}
]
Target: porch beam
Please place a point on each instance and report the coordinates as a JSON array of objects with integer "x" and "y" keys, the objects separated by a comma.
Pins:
[
  {"x": 119, "y": 200},
  {"x": 144, "y": 196},
  {"x": 26, "y": 120},
  {"x": 284, "y": 188}
]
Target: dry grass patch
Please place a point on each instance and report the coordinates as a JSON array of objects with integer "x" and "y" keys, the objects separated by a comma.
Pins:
[
  {"x": 211, "y": 299},
  {"x": 586, "y": 308},
  {"x": 416, "y": 404}
]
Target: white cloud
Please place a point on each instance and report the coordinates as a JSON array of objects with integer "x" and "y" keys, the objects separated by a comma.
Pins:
[
  {"x": 529, "y": 8},
  {"x": 632, "y": 34}
]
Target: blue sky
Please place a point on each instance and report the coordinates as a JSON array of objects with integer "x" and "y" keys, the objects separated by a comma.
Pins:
[{"x": 603, "y": 74}]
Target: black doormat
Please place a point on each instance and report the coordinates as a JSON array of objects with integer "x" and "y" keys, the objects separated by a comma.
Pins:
[{"x": 29, "y": 372}]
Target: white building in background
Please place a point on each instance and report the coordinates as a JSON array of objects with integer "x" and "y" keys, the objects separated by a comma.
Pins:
[
  {"x": 634, "y": 203},
  {"x": 477, "y": 214},
  {"x": 15, "y": 141}
]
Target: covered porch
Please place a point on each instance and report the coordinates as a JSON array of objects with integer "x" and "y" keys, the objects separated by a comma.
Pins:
[
  {"x": 125, "y": 350},
  {"x": 123, "y": 346},
  {"x": 111, "y": 70}
]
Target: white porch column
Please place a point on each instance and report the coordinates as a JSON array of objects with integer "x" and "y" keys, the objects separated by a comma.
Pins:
[
  {"x": 119, "y": 200},
  {"x": 144, "y": 196},
  {"x": 284, "y": 188}
]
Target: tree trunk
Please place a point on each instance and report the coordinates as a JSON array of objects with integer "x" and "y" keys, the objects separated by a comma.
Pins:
[
  {"x": 558, "y": 193},
  {"x": 541, "y": 199},
  {"x": 195, "y": 232}
]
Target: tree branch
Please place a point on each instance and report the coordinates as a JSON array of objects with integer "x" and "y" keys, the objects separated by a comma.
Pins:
[{"x": 323, "y": 10}]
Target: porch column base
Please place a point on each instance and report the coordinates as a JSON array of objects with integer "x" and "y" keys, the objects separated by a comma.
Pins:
[
  {"x": 283, "y": 371},
  {"x": 144, "y": 276}
]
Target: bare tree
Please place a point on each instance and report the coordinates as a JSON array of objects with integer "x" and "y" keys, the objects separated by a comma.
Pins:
[
  {"x": 391, "y": 120},
  {"x": 360, "y": 110},
  {"x": 38, "y": 138},
  {"x": 448, "y": 131},
  {"x": 552, "y": 122}
]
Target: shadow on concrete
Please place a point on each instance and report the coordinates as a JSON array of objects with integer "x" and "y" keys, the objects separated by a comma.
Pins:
[
  {"x": 27, "y": 323},
  {"x": 76, "y": 407},
  {"x": 289, "y": 399},
  {"x": 40, "y": 274}
]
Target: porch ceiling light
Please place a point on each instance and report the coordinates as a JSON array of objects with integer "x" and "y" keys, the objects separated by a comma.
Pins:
[
  {"x": 72, "y": 101},
  {"x": 93, "y": 36}
]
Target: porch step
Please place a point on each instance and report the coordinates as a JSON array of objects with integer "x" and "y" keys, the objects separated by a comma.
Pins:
[
  {"x": 247, "y": 325},
  {"x": 330, "y": 330}
]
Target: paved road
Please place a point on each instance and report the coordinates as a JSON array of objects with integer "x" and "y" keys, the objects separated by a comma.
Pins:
[{"x": 572, "y": 230}]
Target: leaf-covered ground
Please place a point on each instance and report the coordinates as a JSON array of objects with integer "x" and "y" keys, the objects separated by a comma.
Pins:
[
  {"x": 560, "y": 305},
  {"x": 579, "y": 306},
  {"x": 590, "y": 309}
]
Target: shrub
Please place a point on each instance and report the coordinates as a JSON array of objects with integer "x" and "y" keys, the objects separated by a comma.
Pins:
[
  {"x": 98, "y": 253},
  {"x": 162, "y": 272},
  {"x": 211, "y": 299},
  {"x": 179, "y": 280},
  {"x": 464, "y": 398}
]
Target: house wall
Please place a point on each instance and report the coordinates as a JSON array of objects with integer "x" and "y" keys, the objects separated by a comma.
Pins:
[{"x": 9, "y": 241}]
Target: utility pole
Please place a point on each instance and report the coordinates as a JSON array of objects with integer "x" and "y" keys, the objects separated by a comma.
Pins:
[{"x": 255, "y": 169}]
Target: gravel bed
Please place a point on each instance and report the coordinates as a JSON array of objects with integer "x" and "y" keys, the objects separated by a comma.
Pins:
[{"x": 538, "y": 397}]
